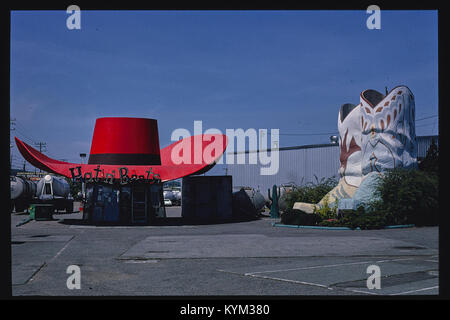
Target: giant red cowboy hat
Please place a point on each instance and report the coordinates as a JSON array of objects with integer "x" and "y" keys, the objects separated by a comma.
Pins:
[{"x": 134, "y": 143}]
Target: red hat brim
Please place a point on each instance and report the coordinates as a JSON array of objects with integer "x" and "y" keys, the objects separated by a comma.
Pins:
[{"x": 168, "y": 170}]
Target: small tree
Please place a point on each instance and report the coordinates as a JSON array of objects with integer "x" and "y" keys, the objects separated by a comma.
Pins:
[
  {"x": 431, "y": 161},
  {"x": 75, "y": 188}
]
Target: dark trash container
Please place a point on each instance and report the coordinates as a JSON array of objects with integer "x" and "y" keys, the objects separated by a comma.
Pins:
[
  {"x": 207, "y": 198},
  {"x": 43, "y": 212}
]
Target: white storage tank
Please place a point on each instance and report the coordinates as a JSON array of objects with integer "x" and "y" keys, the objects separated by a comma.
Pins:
[
  {"x": 52, "y": 186},
  {"x": 22, "y": 193}
]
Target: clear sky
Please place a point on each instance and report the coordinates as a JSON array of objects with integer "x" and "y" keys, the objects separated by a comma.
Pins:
[{"x": 290, "y": 70}]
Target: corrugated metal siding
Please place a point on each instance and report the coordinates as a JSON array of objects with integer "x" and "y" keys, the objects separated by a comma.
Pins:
[
  {"x": 295, "y": 166},
  {"x": 299, "y": 165},
  {"x": 423, "y": 143}
]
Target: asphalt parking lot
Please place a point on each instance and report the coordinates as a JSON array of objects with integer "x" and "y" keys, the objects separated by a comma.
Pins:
[{"x": 245, "y": 258}]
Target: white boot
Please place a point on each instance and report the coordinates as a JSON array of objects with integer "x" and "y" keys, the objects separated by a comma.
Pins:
[
  {"x": 388, "y": 136},
  {"x": 388, "y": 130}
]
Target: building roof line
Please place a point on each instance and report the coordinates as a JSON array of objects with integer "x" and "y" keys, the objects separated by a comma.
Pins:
[
  {"x": 289, "y": 148},
  {"x": 309, "y": 146}
]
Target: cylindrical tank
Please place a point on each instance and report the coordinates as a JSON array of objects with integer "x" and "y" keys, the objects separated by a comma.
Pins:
[
  {"x": 52, "y": 185},
  {"x": 22, "y": 192},
  {"x": 256, "y": 197},
  {"x": 22, "y": 188},
  {"x": 17, "y": 187}
]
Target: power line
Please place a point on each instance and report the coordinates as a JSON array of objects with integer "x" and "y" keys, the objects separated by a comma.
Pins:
[
  {"x": 12, "y": 122},
  {"x": 426, "y": 118},
  {"x": 331, "y": 133},
  {"x": 24, "y": 128},
  {"x": 41, "y": 144},
  {"x": 25, "y": 133},
  {"x": 307, "y": 134},
  {"x": 25, "y": 137},
  {"x": 425, "y": 125}
]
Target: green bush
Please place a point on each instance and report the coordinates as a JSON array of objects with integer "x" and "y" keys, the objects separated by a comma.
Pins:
[
  {"x": 366, "y": 219},
  {"x": 409, "y": 196},
  {"x": 404, "y": 197},
  {"x": 326, "y": 212},
  {"x": 310, "y": 192},
  {"x": 359, "y": 218},
  {"x": 299, "y": 218}
]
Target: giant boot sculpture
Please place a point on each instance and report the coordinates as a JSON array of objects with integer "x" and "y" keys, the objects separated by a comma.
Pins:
[
  {"x": 349, "y": 126},
  {"x": 376, "y": 135}
]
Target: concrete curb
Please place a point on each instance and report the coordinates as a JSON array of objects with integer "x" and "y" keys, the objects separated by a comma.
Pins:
[
  {"x": 337, "y": 228},
  {"x": 400, "y": 226}
]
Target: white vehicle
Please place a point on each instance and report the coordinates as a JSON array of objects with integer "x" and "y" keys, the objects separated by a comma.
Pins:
[
  {"x": 173, "y": 195},
  {"x": 167, "y": 202}
]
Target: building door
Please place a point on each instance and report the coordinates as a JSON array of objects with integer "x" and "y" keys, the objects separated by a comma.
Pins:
[
  {"x": 111, "y": 207},
  {"x": 125, "y": 204},
  {"x": 157, "y": 201},
  {"x": 139, "y": 204},
  {"x": 98, "y": 204}
]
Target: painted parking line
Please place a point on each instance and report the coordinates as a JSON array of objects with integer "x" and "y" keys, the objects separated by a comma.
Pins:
[
  {"x": 361, "y": 291},
  {"x": 327, "y": 283},
  {"x": 291, "y": 281},
  {"x": 129, "y": 227},
  {"x": 327, "y": 266},
  {"x": 413, "y": 291}
]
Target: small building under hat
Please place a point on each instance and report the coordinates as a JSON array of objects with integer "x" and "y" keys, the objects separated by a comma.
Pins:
[{"x": 126, "y": 168}]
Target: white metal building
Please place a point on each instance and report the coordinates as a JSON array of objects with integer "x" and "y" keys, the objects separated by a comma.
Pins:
[{"x": 301, "y": 164}]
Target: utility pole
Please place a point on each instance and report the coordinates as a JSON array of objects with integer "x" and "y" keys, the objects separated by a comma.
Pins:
[
  {"x": 83, "y": 187},
  {"x": 10, "y": 156},
  {"x": 40, "y": 145},
  {"x": 12, "y": 123}
]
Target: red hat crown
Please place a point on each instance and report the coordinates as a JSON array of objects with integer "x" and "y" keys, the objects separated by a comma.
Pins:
[{"x": 125, "y": 141}]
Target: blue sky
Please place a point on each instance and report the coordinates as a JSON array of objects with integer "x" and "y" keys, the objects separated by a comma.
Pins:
[{"x": 290, "y": 70}]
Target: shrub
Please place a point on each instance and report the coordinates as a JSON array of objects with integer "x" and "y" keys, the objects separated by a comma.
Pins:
[
  {"x": 299, "y": 218},
  {"x": 325, "y": 211},
  {"x": 359, "y": 218},
  {"x": 404, "y": 197},
  {"x": 365, "y": 219},
  {"x": 75, "y": 188},
  {"x": 409, "y": 196},
  {"x": 310, "y": 192}
]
